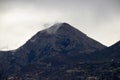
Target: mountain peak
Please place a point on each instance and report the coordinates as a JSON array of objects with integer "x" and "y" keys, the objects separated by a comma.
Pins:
[
  {"x": 53, "y": 29},
  {"x": 65, "y": 24},
  {"x": 63, "y": 37}
]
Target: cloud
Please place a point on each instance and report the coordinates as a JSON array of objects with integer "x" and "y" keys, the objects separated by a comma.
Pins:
[{"x": 21, "y": 19}]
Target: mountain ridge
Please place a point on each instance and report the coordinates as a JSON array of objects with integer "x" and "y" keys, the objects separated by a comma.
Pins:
[{"x": 108, "y": 54}]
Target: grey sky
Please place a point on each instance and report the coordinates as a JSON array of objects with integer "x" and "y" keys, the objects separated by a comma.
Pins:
[{"x": 21, "y": 19}]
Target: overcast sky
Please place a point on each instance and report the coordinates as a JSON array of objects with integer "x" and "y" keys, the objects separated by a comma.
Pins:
[{"x": 21, "y": 19}]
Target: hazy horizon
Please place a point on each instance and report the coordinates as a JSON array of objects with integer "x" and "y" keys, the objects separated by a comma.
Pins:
[{"x": 21, "y": 19}]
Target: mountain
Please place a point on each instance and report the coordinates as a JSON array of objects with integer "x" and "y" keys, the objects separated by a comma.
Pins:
[
  {"x": 111, "y": 53},
  {"x": 59, "y": 42},
  {"x": 50, "y": 53}
]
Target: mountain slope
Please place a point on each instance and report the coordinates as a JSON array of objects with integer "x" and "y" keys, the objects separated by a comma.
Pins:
[
  {"x": 5, "y": 61},
  {"x": 111, "y": 53}
]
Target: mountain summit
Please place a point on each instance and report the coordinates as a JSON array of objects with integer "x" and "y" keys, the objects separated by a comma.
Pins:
[{"x": 63, "y": 37}]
